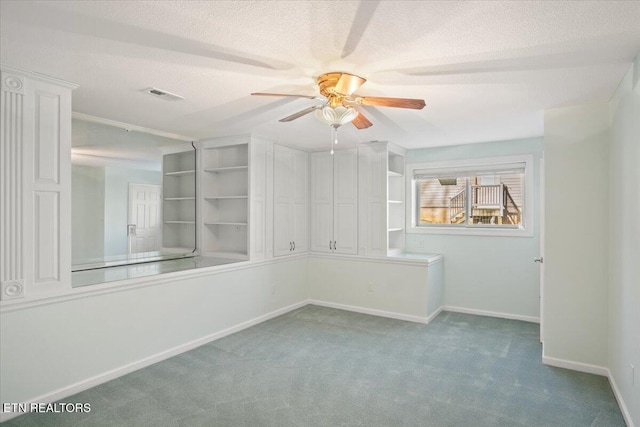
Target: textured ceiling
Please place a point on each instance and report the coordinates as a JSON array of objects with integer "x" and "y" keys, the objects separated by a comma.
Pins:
[{"x": 487, "y": 70}]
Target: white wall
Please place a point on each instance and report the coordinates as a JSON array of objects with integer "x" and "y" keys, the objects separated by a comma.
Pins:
[
  {"x": 495, "y": 274},
  {"x": 87, "y": 213},
  {"x": 50, "y": 347},
  {"x": 624, "y": 239},
  {"x": 409, "y": 292},
  {"x": 576, "y": 215}
]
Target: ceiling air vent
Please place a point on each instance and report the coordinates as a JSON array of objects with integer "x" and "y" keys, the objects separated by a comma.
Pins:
[{"x": 163, "y": 94}]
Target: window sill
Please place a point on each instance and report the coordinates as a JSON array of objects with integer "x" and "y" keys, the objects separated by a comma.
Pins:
[{"x": 472, "y": 231}]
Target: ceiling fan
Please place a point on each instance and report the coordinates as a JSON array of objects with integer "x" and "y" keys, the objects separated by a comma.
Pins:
[{"x": 340, "y": 103}]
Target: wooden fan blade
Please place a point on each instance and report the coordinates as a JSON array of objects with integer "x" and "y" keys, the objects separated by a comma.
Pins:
[
  {"x": 348, "y": 83},
  {"x": 300, "y": 113},
  {"x": 359, "y": 26},
  {"x": 361, "y": 122},
  {"x": 282, "y": 94},
  {"x": 376, "y": 101}
]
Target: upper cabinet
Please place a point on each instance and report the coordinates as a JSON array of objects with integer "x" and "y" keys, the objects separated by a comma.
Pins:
[
  {"x": 290, "y": 200},
  {"x": 334, "y": 202}
]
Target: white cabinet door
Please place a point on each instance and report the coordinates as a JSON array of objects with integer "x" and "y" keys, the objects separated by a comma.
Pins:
[
  {"x": 345, "y": 184},
  {"x": 282, "y": 198},
  {"x": 372, "y": 199},
  {"x": 300, "y": 198},
  {"x": 257, "y": 173},
  {"x": 321, "y": 202}
]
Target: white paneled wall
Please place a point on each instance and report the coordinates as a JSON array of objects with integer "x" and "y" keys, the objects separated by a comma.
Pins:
[{"x": 36, "y": 184}]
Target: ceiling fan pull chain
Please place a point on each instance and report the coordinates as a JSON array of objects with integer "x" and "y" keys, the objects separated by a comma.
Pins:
[{"x": 334, "y": 137}]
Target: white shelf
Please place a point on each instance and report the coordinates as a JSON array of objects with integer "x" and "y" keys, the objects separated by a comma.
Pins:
[
  {"x": 179, "y": 202},
  {"x": 395, "y": 229},
  {"x": 398, "y": 202},
  {"x": 225, "y": 216},
  {"x": 181, "y": 173},
  {"x": 394, "y": 173},
  {"x": 227, "y": 169},
  {"x": 225, "y": 197}
]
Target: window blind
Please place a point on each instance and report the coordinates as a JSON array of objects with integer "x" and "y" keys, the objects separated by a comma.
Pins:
[{"x": 469, "y": 171}]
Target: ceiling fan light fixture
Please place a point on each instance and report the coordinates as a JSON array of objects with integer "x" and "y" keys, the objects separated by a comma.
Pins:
[{"x": 336, "y": 116}]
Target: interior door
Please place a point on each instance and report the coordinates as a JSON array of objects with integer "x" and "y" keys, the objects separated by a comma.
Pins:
[
  {"x": 345, "y": 189},
  {"x": 144, "y": 231},
  {"x": 321, "y": 202},
  {"x": 282, "y": 196}
]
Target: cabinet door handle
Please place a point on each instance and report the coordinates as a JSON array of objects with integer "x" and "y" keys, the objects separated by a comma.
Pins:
[
  {"x": 294, "y": 245},
  {"x": 330, "y": 245},
  {"x": 290, "y": 247},
  {"x": 334, "y": 245}
]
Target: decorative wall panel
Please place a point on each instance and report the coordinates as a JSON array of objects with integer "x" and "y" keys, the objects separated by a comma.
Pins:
[
  {"x": 47, "y": 230},
  {"x": 47, "y": 138},
  {"x": 35, "y": 184},
  {"x": 11, "y": 188}
]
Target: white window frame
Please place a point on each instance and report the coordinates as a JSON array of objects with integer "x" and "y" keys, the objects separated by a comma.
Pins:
[{"x": 526, "y": 230}]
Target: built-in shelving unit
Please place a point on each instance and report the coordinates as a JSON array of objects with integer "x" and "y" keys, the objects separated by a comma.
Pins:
[
  {"x": 226, "y": 195},
  {"x": 395, "y": 202},
  {"x": 179, "y": 200}
]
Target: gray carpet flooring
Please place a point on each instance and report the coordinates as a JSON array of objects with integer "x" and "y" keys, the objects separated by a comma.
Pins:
[{"x": 323, "y": 367}]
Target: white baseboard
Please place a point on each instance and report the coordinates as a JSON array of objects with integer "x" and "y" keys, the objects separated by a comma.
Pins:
[
  {"x": 530, "y": 319},
  {"x": 72, "y": 389},
  {"x": 575, "y": 366},
  {"x": 435, "y": 314},
  {"x": 623, "y": 407},
  {"x": 371, "y": 311}
]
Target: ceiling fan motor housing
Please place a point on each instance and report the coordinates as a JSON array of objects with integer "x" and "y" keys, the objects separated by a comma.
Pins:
[{"x": 337, "y": 86}]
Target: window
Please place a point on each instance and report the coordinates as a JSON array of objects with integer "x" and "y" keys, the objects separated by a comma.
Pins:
[{"x": 486, "y": 196}]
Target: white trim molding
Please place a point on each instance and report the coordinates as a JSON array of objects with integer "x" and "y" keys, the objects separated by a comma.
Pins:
[
  {"x": 138, "y": 282},
  {"x": 128, "y": 126},
  {"x": 371, "y": 311},
  {"x": 79, "y": 386},
  {"x": 621, "y": 403},
  {"x": 435, "y": 314},
  {"x": 574, "y": 366},
  {"x": 530, "y": 319},
  {"x": 596, "y": 370}
]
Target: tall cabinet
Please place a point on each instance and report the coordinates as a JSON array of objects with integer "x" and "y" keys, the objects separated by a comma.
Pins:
[
  {"x": 290, "y": 200},
  {"x": 334, "y": 202},
  {"x": 382, "y": 200}
]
